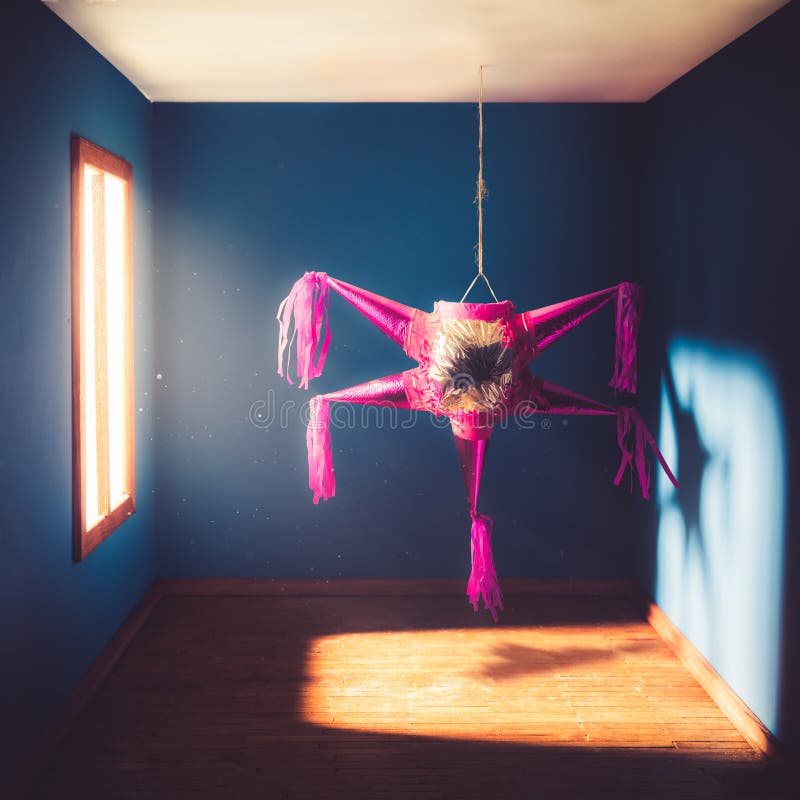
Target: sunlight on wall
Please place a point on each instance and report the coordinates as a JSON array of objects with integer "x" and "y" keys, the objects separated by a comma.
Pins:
[{"x": 721, "y": 535}]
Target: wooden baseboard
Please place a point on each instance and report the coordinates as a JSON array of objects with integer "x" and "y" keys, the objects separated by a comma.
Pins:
[
  {"x": 382, "y": 587},
  {"x": 735, "y": 709},
  {"x": 748, "y": 724}
]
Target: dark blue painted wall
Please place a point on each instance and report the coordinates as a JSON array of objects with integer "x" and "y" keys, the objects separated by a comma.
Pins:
[
  {"x": 55, "y": 616},
  {"x": 251, "y": 196},
  {"x": 722, "y": 235}
]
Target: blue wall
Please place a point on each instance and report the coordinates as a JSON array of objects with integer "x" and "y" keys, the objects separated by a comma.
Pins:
[
  {"x": 55, "y": 616},
  {"x": 722, "y": 240},
  {"x": 248, "y": 198}
]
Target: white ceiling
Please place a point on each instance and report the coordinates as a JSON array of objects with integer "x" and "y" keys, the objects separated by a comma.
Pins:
[{"x": 407, "y": 50}]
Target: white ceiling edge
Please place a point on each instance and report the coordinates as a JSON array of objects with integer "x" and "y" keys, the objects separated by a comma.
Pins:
[{"x": 407, "y": 50}]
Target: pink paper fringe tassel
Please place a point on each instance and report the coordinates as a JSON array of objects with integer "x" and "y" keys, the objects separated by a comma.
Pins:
[
  {"x": 629, "y": 311},
  {"x": 321, "y": 479},
  {"x": 306, "y": 306},
  {"x": 483, "y": 578},
  {"x": 634, "y": 438}
]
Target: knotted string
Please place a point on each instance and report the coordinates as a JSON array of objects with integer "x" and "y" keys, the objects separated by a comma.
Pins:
[{"x": 479, "y": 195}]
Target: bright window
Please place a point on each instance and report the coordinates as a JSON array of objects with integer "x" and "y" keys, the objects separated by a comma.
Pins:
[{"x": 102, "y": 345}]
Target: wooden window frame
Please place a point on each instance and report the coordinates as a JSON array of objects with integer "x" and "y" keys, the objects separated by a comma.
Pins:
[{"x": 86, "y": 534}]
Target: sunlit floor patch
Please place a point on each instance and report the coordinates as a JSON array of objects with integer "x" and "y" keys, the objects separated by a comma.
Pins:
[{"x": 610, "y": 685}]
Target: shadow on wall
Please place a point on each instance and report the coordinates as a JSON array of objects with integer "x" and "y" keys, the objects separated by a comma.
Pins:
[{"x": 721, "y": 535}]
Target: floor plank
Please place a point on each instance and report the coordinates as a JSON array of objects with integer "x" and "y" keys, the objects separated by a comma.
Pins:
[{"x": 385, "y": 696}]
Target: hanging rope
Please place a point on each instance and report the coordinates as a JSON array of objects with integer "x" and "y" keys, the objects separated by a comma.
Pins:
[{"x": 480, "y": 193}]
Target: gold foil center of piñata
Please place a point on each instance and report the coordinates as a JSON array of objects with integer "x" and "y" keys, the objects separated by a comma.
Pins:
[{"x": 472, "y": 364}]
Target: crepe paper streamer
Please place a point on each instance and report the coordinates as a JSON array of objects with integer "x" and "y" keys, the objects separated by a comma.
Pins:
[
  {"x": 483, "y": 582},
  {"x": 321, "y": 479},
  {"x": 305, "y": 313},
  {"x": 634, "y": 438},
  {"x": 473, "y": 366},
  {"x": 629, "y": 312}
]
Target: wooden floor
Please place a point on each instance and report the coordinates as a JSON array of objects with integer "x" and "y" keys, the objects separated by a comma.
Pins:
[{"x": 401, "y": 697}]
